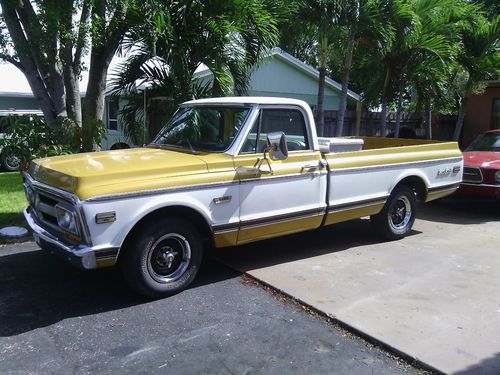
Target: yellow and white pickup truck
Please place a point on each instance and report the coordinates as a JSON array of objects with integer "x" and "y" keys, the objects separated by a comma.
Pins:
[{"x": 225, "y": 172}]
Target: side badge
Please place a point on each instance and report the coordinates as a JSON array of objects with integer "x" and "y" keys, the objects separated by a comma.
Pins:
[{"x": 224, "y": 199}]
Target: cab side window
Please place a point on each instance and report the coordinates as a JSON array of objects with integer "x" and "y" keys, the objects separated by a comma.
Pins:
[{"x": 289, "y": 121}]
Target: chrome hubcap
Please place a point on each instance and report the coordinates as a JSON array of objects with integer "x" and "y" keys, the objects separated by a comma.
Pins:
[
  {"x": 400, "y": 214},
  {"x": 168, "y": 258}
]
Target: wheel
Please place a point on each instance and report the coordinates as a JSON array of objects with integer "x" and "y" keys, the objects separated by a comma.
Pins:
[
  {"x": 398, "y": 215},
  {"x": 10, "y": 162},
  {"x": 162, "y": 258}
]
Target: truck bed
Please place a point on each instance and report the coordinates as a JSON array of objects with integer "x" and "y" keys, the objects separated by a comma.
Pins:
[{"x": 360, "y": 180}]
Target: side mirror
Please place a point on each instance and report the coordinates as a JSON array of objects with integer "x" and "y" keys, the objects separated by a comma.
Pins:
[{"x": 277, "y": 147}]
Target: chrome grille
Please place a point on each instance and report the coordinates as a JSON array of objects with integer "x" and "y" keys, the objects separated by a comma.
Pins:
[
  {"x": 472, "y": 175},
  {"x": 43, "y": 207},
  {"x": 46, "y": 209}
]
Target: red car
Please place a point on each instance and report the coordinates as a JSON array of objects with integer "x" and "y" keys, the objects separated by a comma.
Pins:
[{"x": 482, "y": 167}]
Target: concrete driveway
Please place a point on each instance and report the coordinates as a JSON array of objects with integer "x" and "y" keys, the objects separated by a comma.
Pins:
[{"x": 434, "y": 295}]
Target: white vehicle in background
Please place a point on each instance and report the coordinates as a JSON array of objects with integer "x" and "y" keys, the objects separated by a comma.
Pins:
[
  {"x": 8, "y": 161},
  {"x": 114, "y": 139}
]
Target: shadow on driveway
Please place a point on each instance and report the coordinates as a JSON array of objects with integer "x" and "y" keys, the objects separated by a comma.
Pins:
[
  {"x": 326, "y": 240},
  {"x": 460, "y": 211},
  {"x": 38, "y": 290}
]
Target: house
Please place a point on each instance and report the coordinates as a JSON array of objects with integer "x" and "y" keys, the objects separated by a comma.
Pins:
[
  {"x": 278, "y": 75},
  {"x": 482, "y": 112},
  {"x": 282, "y": 75}
]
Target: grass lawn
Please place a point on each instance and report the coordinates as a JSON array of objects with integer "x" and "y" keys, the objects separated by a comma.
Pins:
[{"x": 12, "y": 199}]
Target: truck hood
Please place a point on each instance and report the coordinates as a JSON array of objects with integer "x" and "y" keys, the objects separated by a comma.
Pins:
[
  {"x": 482, "y": 159},
  {"x": 119, "y": 171}
]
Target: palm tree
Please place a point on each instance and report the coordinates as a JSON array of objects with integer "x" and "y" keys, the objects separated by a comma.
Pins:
[
  {"x": 229, "y": 37},
  {"x": 365, "y": 22},
  {"x": 479, "y": 59},
  {"x": 323, "y": 15},
  {"x": 420, "y": 40}
]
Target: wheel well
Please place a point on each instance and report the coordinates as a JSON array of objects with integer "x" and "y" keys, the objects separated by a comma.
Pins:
[
  {"x": 416, "y": 184},
  {"x": 174, "y": 211}
]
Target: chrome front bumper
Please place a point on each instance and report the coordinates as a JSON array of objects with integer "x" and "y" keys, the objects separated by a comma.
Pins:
[{"x": 79, "y": 255}]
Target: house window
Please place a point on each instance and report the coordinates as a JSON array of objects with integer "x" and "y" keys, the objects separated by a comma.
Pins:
[
  {"x": 495, "y": 114},
  {"x": 112, "y": 120}
]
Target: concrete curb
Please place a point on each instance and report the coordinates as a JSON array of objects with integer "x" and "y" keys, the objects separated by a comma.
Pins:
[{"x": 14, "y": 240}]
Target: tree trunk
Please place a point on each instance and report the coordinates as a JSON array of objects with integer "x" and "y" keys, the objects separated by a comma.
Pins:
[
  {"x": 460, "y": 120},
  {"x": 398, "y": 116},
  {"x": 428, "y": 121},
  {"x": 55, "y": 86},
  {"x": 321, "y": 97},
  {"x": 383, "y": 116},
  {"x": 72, "y": 65},
  {"x": 73, "y": 99},
  {"x": 321, "y": 85},
  {"x": 104, "y": 46},
  {"x": 93, "y": 109},
  {"x": 345, "y": 85},
  {"x": 27, "y": 64},
  {"x": 385, "y": 94}
]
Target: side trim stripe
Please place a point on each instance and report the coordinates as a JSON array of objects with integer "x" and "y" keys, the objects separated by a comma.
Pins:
[
  {"x": 223, "y": 228},
  {"x": 392, "y": 165},
  {"x": 280, "y": 218},
  {"x": 146, "y": 193},
  {"x": 358, "y": 204},
  {"x": 443, "y": 188},
  {"x": 176, "y": 189}
]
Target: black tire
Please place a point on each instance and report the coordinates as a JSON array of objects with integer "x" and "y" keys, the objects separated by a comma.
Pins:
[
  {"x": 10, "y": 162},
  {"x": 398, "y": 215},
  {"x": 162, "y": 258}
]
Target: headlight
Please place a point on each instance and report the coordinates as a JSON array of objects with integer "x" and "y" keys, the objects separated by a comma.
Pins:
[
  {"x": 66, "y": 219},
  {"x": 497, "y": 176}
]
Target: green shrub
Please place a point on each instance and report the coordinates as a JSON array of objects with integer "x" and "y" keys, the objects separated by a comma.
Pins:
[{"x": 28, "y": 137}]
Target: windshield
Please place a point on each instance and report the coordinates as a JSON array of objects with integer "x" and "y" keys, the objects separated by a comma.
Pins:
[
  {"x": 486, "y": 142},
  {"x": 203, "y": 128}
]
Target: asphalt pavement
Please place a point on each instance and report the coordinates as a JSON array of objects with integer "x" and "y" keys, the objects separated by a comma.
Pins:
[{"x": 59, "y": 320}]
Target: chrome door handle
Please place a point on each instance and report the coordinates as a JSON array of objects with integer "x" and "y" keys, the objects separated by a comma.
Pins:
[
  {"x": 310, "y": 167},
  {"x": 313, "y": 167}
]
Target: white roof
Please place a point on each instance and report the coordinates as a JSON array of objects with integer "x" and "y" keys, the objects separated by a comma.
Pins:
[
  {"x": 20, "y": 112},
  {"x": 248, "y": 100},
  {"x": 307, "y": 69},
  {"x": 278, "y": 52},
  {"x": 13, "y": 83}
]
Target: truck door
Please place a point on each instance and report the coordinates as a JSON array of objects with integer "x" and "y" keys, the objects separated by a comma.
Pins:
[{"x": 285, "y": 196}]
